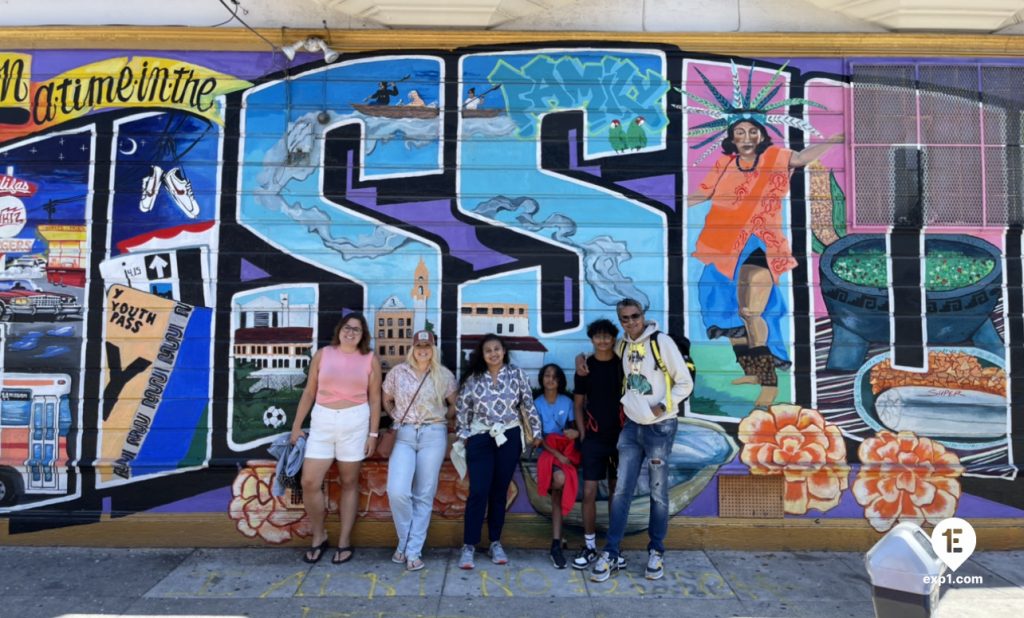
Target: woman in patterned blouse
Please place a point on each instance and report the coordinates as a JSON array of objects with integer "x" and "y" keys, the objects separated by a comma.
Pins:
[
  {"x": 491, "y": 396},
  {"x": 419, "y": 395}
]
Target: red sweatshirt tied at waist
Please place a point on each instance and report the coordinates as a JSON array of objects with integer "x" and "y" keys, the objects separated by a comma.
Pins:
[{"x": 545, "y": 469}]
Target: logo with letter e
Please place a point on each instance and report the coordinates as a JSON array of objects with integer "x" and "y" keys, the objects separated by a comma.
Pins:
[{"x": 954, "y": 540}]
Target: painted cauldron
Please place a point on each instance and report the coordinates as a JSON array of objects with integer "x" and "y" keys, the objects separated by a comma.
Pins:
[{"x": 962, "y": 287}]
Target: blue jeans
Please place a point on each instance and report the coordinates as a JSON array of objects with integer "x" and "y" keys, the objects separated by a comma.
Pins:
[
  {"x": 491, "y": 468},
  {"x": 636, "y": 442},
  {"x": 412, "y": 482}
]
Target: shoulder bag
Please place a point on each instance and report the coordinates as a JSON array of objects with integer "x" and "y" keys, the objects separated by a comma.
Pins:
[
  {"x": 524, "y": 416},
  {"x": 386, "y": 444}
]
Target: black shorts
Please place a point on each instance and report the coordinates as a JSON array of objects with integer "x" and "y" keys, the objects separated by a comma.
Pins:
[
  {"x": 600, "y": 460},
  {"x": 757, "y": 257}
]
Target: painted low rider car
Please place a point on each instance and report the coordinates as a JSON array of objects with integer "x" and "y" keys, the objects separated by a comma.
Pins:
[{"x": 21, "y": 297}]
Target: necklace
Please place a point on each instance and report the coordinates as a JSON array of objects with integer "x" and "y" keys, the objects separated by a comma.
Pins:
[{"x": 747, "y": 170}]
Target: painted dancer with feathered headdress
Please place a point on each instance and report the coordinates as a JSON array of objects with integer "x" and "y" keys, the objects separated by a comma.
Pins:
[{"x": 743, "y": 244}]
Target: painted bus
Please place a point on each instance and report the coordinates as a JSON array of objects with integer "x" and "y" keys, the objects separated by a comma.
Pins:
[{"x": 35, "y": 418}]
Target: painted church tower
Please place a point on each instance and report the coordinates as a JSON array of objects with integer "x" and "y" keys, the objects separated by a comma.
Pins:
[{"x": 420, "y": 294}]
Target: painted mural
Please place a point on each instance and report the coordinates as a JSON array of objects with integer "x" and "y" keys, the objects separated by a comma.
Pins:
[{"x": 839, "y": 239}]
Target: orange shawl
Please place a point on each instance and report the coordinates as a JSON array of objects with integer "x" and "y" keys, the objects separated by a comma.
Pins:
[{"x": 745, "y": 204}]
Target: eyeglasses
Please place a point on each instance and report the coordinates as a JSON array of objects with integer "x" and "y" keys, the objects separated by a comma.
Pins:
[
  {"x": 352, "y": 329},
  {"x": 631, "y": 317}
]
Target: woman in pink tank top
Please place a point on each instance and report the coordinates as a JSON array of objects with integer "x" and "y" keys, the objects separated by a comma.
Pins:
[{"x": 343, "y": 393}]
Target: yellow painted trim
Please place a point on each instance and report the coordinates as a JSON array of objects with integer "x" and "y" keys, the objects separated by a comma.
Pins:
[
  {"x": 785, "y": 45},
  {"x": 521, "y": 530}
]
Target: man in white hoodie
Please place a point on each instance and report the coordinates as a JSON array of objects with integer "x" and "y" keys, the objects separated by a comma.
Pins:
[{"x": 651, "y": 401}]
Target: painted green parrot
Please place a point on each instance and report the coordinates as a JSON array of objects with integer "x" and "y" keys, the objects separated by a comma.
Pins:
[
  {"x": 636, "y": 136},
  {"x": 617, "y": 136}
]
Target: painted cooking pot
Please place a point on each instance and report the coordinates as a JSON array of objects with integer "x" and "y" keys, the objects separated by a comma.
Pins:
[{"x": 962, "y": 287}]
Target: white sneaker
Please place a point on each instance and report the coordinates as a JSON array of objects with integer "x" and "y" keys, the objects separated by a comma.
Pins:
[
  {"x": 150, "y": 187},
  {"x": 655, "y": 565},
  {"x": 466, "y": 559},
  {"x": 584, "y": 558},
  {"x": 180, "y": 189},
  {"x": 497, "y": 553},
  {"x": 603, "y": 568}
]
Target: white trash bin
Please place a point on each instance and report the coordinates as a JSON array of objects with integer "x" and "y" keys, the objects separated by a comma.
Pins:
[{"x": 905, "y": 573}]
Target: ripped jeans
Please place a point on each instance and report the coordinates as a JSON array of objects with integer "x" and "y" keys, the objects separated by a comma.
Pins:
[{"x": 637, "y": 443}]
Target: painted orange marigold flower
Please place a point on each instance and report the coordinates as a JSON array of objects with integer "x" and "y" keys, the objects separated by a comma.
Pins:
[
  {"x": 257, "y": 512},
  {"x": 797, "y": 443},
  {"x": 906, "y": 478}
]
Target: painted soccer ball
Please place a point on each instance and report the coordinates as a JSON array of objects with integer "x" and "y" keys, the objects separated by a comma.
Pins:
[{"x": 274, "y": 417}]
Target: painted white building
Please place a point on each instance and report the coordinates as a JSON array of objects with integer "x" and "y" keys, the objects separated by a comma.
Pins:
[
  {"x": 265, "y": 311},
  {"x": 280, "y": 355},
  {"x": 505, "y": 319},
  {"x": 512, "y": 322}
]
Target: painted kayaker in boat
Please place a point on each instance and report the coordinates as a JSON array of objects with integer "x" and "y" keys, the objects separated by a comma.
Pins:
[
  {"x": 472, "y": 100},
  {"x": 384, "y": 93}
]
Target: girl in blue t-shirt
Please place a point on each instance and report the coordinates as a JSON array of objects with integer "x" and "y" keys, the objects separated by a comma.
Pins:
[
  {"x": 554, "y": 403},
  {"x": 555, "y": 408}
]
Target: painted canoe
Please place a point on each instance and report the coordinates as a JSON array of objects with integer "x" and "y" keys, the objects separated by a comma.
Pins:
[
  {"x": 482, "y": 113},
  {"x": 397, "y": 111}
]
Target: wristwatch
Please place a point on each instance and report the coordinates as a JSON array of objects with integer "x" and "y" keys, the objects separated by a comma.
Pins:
[{"x": 374, "y": 434}]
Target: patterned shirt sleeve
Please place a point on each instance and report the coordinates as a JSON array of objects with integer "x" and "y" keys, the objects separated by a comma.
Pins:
[
  {"x": 464, "y": 408},
  {"x": 389, "y": 388},
  {"x": 451, "y": 386},
  {"x": 526, "y": 400}
]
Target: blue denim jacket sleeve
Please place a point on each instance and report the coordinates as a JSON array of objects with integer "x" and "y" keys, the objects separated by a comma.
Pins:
[{"x": 289, "y": 460}]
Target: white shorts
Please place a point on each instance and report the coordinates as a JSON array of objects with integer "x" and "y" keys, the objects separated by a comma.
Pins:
[{"x": 338, "y": 434}]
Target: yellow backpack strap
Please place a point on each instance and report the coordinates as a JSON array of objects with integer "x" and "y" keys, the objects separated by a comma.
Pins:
[
  {"x": 621, "y": 346},
  {"x": 664, "y": 370}
]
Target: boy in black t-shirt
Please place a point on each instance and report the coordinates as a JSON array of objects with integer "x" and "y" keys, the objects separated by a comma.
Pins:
[{"x": 599, "y": 421}]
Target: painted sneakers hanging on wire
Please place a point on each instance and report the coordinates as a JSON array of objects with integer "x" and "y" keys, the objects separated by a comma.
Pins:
[
  {"x": 150, "y": 187},
  {"x": 178, "y": 186}
]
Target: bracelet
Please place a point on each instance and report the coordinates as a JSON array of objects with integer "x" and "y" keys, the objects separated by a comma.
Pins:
[{"x": 374, "y": 434}]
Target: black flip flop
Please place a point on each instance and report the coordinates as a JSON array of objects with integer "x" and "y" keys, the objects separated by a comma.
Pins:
[
  {"x": 319, "y": 549},
  {"x": 351, "y": 552}
]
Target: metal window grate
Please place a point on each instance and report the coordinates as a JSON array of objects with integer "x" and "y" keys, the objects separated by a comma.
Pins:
[
  {"x": 874, "y": 182},
  {"x": 884, "y": 103},
  {"x": 953, "y": 186},
  {"x": 757, "y": 497},
  {"x": 1003, "y": 98},
  {"x": 972, "y": 166},
  {"x": 1003, "y": 102},
  {"x": 949, "y": 104},
  {"x": 1002, "y": 189},
  {"x": 995, "y": 119}
]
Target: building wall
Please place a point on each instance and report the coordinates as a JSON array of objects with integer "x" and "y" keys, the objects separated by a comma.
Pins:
[{"x": 864, "y": 371}]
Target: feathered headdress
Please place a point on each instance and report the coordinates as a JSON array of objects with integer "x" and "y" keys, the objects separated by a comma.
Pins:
[{"x": 742, "y": 107}]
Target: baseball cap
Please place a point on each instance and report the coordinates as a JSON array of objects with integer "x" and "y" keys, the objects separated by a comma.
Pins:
[{"x": 424, "y": 337}]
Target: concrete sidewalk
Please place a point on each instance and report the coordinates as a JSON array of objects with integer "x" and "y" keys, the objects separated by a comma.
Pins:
[{"x": 59, "y": 581}]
